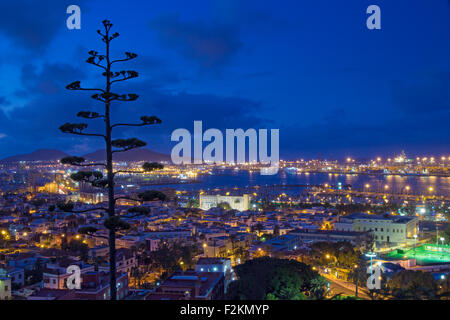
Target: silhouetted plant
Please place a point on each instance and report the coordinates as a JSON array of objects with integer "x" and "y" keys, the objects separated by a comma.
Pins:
[{"x": 96, "y": 178}]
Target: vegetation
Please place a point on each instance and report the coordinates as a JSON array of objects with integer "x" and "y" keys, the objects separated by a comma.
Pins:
[
  {"x": 170, "y": 257},
  {"x": 338, "y": 254},
  {"x": 276, "y": 279},
  {"x": 224, "y": 206},
  {"x": 76, "y": 247},
  {"x": 416, "y": 285}
]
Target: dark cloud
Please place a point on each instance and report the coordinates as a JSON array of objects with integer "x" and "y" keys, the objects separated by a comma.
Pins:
[
  {"x": 339, "y": 136},
  {"x": 157, "y": 70},
  {"x": 35, "y": 125},
  {"x": 51, "y": 79},
  {"x": 33, "y": 24},
  {"x": 181, "y": 109},
  {"x": 429, "y": 94},
  {"x": 4, "y": 102},
  {"x": 209, "y": 45}
]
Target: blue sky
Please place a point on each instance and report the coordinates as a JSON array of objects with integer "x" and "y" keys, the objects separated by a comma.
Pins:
[{"x": 310, "y": 68}]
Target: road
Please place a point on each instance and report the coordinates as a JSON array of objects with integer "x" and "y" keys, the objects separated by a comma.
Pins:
[{"x": 346, "y": 288}]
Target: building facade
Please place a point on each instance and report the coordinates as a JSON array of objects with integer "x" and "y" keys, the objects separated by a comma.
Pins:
[
  {"x": 240, "y": 203},
  {"x": 386, "y": 229}
]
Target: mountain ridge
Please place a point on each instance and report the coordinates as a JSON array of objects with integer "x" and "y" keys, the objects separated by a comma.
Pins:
[
  {"x": 37, "y": 155},
  {"x": 141, "y": 154}
]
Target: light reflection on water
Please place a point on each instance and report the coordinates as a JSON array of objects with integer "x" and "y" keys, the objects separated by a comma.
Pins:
[{"x": 231, "y": 179}]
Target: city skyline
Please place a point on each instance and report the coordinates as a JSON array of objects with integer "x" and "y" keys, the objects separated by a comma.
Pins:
[
  {"x": 240, "y": 152},
  {"x": 333, "y": 88}
]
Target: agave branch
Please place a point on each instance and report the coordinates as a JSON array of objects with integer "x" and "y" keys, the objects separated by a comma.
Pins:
[{"x": 146, "y": 120}]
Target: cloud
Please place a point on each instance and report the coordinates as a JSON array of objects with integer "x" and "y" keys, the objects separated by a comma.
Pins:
[
  {"x": 157, "y": 70},
  {"x": 35, "y": 124},
  {"x": 428, "y": 94},
  {"x": 208, "y": 45},
  {"x": 181, "y": 109},
  {"x": 343, "y": 137},
  {"x": 4, "y": 102},
  {"x": 51, "y": 79},
  {"x": 33, "y": 24}
]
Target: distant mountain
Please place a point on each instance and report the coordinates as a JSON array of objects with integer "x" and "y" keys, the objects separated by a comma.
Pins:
[
  {"x": 38, "y": 155},
  {"x": 140, "y": 154}
]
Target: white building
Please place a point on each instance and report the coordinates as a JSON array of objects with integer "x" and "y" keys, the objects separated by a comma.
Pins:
[
  {"x": 240, "y": 203},
  {"x": 55, "y": 275},
  {"x": 5, "y": 288},
  {"x": 386, "y": 229}
]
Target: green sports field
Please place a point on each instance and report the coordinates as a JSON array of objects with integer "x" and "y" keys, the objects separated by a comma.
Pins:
[{"x": 424, "y": 254}]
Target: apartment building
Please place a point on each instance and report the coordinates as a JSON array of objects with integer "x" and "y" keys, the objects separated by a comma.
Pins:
[{"x": 387, "y": 229}]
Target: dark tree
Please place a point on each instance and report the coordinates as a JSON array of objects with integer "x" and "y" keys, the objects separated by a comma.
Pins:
[
  {"x": 106, "y": 96},
  {"x": 415, "y": 285},
  {"x": 276, "y": 279}
]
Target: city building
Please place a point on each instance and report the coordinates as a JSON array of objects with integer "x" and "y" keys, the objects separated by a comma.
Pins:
[
  {"x": 386, "y": 229},
  {"x": 308, "y": 235},
  {"x": 240, "y": 203},
  {"x": 17, "y": 275},
  {"x": 55, "y": 274},
  {"x": 5, "y": 288},
  {"x": 222, "y": 265},
  {"x": 190, "y": 285},
  {"x": 94, "y": 286}
]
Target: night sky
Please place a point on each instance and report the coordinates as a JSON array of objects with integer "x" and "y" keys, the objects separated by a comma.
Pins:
[{"x": 310, "y": 68}]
